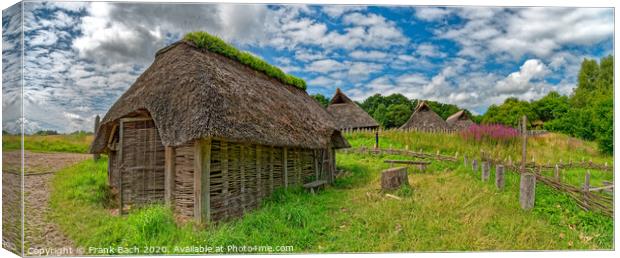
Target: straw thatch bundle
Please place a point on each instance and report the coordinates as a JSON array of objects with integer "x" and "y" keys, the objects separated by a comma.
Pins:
[{"x": 348, "y": 115}]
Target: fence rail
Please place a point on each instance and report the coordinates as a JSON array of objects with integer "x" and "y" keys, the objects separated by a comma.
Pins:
[{"x": 587, "y": 199}]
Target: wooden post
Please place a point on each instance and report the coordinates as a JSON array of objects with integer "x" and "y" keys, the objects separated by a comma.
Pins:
[
  {"x": 474, "y": 165},
  {"x": 271, "y": 169},
  {"x": 499, "y": 177},
  {"x": 524, "y": 144},
  {"x": 527, "y": 185},
  {"x": 316, "y": 165},
  {"x": 485, "y": 171},
  {"x": 259, "y": 171},
  {"x": 225, "y": 177},
  {"x": 285, "y": 167},
  {"x": 376, "y": 139},
  {"x": 586, "y": 183},
  {"x": 242, "y": 151},
  {"x": 169, "y": 173},
  {"x": 586, "y": 189},
  {"x": 556, "y": 173},
  {"x": 97, "y": 120},
  {"x": 527, "y": 191},
  {"x": 202, "y": 180},
  {"x": 465, "y": 160}
]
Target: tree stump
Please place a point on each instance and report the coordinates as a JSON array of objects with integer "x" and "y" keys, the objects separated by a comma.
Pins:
[
  {"x": 527, "y": 191},
  {"x": 393, "y": 178},
  {"x": 500, "y": 182}
]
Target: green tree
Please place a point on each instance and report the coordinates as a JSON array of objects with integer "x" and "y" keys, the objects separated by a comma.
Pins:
[
  {"x": 380, "y": 115},
  {"x": 324, "y": 101},
  {"x": 551, "y": 106},
  {"x": 397, "y": 115}
]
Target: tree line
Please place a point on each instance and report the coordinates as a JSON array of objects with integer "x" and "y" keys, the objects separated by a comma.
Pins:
[{"x": 587, "y": 113}]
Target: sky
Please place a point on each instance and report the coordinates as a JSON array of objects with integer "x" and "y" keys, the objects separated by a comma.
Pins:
[{"x": 80, "y": 57}]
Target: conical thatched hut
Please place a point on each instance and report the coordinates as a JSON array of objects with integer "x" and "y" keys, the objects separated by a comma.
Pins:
[
  {"x": 211, "y": 136},
  {"x": 348, "y": 115},
  {"x": 424, "y": 119},
  {"x": 459, "y": 121}
]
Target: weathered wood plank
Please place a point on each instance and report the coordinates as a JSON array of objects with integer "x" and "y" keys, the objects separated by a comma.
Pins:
[
  {"x": 206, "y": 181},
  {"x": 198, "y": 174},
  {"x": 169, "y": 174},
  {"x": 285, "y": 167}
]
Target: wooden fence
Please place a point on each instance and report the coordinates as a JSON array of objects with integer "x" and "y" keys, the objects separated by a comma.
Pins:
[{"x": 586, "y": 197}]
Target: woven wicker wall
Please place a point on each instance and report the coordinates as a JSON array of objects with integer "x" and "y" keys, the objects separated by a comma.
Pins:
[
  {"x": 142, "y": 164},
  {"x": 184, "y": 181},
  {"x": 243, "y": 174}
]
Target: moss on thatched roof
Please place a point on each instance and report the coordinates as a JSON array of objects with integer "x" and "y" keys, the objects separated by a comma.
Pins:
[
  {"x": 347, "y": 114},
  {"x": 214, "y": 44},
  {"x": 193, "y": 93}
]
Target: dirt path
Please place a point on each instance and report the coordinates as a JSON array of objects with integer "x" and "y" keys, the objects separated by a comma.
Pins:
[{"x": 40, "y": 234}]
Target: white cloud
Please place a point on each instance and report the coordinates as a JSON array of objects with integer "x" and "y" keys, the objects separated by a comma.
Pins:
[
  {"x": 431, "y": 13},
  {"x": 368, "y": 55},
  {"x": 325, "y": 65},
  {"x": 539, "y": 31},
  {"x": 521, "y": 81},
  {"x": 335, "y": 11}
]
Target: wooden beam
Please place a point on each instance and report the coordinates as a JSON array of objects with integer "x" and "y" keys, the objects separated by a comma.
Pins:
[
  {"x": 120, "y": 172},
  {"x": 316, "y": 165},
  {"x": 271, "y": 169},
  {"x": 202, "y": 180},
  {"x": 259, "y": 185},
  {"x": 225, "y": 177},
  {"x": 169, "y": 174},
  {"x": 242, "y": 150},
  {"x": 285, "y": 167},
  {"x": 135, "y": 119}
]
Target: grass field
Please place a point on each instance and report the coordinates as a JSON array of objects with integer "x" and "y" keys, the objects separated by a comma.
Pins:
[
  {"x": 445, "y": 209},
  {"x": 551, "y": 148},
  {"x": 75, "y": 143}
]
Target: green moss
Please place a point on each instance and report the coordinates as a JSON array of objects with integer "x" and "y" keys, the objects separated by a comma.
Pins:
[{"x": 214, "y": 44}]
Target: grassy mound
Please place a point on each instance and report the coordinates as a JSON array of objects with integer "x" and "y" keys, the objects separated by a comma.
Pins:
[{"x": 214, "y": 44}]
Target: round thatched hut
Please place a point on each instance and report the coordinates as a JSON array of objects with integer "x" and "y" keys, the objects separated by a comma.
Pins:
[
  {"x": 210, "y": 136},
  {"x": 348, "y": 115},
  {"x": 424, "y": 119},
  {"x": 459, "y": 121}
]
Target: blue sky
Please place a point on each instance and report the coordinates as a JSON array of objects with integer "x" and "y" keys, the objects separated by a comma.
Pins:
[{"x": 80, "y": 57}]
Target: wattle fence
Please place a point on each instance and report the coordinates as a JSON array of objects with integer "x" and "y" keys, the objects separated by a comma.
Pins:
[{"x": 586, "y": 197}]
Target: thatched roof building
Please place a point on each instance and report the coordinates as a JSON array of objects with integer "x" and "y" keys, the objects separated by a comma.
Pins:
[
  {"x": 424, "y": 119},
  {"x": 348, "y": 115},
  {"x": 459, "y": 121},
  {"x": 211, "y": 136}
]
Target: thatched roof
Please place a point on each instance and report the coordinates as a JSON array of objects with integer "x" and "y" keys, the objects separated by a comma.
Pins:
[
  {"x": 347, "y": 114},
  {"x": 459, "y": 120},
  {"x": 423, "y": 118},
  {"x": 192, "y": 93}
]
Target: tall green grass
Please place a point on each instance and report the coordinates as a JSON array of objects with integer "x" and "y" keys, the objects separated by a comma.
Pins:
[
  {"x": 548, "y": 148},
  {"x": 75, "y": 143}
]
